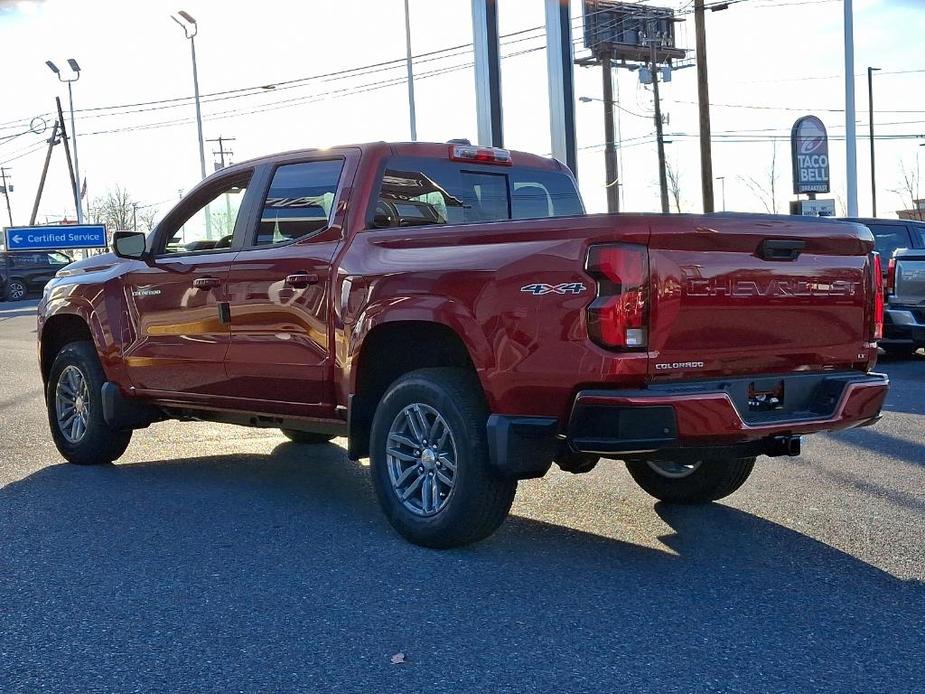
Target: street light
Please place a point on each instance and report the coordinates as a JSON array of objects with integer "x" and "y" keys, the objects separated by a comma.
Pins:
[
  {"x": 75, "y": 75},
  {"x": 190, "y": 29},
  {"x": 722, "y": 179},
  {"x": 873, "y": 168}
]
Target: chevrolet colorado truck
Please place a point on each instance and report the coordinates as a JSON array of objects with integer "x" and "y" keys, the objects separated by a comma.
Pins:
[{"x": 454, "y": 313}]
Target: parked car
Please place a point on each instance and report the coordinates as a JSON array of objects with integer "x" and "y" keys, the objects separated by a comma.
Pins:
[
  {"x": 22, "y": 272},
  {"x": 454, "y": 313},
  {"x": 904, "y": 317}
]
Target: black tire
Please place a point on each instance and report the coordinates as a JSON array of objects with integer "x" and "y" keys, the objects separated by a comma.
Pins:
[
  {"x": 306, "y": 437},
  {"x": 16, "y": 290},
  {"x": 99, "y": 444},
  {"x": 711, "y": 480},
  {"x": 478, "y": 501}
]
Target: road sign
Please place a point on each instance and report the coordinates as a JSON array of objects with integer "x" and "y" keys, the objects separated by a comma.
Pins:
[
  {"x": 813, "y": 208},
  {"x": 51, "y": 237}
]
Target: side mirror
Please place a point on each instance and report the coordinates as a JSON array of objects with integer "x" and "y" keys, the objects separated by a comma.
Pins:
[{"x": 129, "y": 244}]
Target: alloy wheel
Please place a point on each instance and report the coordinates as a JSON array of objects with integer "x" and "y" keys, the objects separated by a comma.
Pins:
[
  {"x": 421, "y": 457},
  {"x": 16, "y": 290},
  {"x": 72, "y": 404}
]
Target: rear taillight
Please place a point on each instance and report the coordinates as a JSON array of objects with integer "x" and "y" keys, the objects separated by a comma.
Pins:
[
  {"x": 618, "y": 316},
  {"x": 877, "y": 268},
  {"x": 891, "y": 276}
]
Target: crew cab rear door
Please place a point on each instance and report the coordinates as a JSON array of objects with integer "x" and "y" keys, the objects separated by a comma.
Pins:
[
  {"x": 177, "y": 304},
  {"x": 280, "y": 355},
  {"x": 750, "y": 295}
]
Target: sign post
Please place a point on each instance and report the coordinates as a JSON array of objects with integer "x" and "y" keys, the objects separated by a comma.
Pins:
[{"x": 55, "y": 237}]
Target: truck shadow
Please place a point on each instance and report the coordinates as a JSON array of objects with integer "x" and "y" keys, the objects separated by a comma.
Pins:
[{"x": 283, "y": 564}]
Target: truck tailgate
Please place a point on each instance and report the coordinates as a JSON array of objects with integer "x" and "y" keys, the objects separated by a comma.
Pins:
[{"x": 750, "y": 295}]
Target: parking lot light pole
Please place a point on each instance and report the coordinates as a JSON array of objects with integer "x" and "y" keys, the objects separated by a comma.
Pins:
[
  {"x": 873, "y": 166},
  {"x": 190, "y": 29},
  {"x": 75, "y": 71}
]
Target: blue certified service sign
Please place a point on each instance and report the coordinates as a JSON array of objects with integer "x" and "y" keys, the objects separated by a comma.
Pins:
[{"x": 42, "y": 238}]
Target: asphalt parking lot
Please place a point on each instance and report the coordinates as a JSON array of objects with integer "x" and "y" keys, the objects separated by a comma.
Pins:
[{"x": 214, "y": 558}]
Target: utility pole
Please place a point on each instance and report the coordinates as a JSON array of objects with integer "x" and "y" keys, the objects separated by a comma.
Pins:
[
  {"x": 221, "y": 148},
  {"x": 703, "y": 98},
  {"x": 610, "y": 153},
  {"x": 873, "y": 166},
  {"x": 229, "y": 224},
  {"x": 659, "y": 136},
  {"x": 52, "y": 141},
  {"x": 851, "y": 135},
  {"x": 411, "y": 111},
  {"x": 67, "y": 154},
  {"x": 6, "y": 192}
]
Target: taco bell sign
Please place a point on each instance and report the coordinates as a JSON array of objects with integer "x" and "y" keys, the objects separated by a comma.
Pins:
[{"x": 809, "y": 146}]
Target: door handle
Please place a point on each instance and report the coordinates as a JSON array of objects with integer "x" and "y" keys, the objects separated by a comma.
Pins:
[
  {"x": 206, "y": 282},
  {"x": 300, "y": 280}
]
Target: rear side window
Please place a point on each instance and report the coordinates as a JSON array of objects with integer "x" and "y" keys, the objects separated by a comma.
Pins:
[
  {"x": 889, "y": 237},
  {"x": 300, "y": 201},
  {"x": 921, "y": 235},
  {"x": 417, "y": 192}
]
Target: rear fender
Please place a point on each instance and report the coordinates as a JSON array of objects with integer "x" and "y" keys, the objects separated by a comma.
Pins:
[{"x": 423, "y": 308}]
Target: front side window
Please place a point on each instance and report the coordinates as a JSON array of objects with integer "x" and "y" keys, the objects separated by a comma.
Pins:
[
  {"x": 58, "y": 259},
  {"x": 418, "y": 192},
  {"x": 300, "y": 201},
  {"x": 211, "y": 226}
]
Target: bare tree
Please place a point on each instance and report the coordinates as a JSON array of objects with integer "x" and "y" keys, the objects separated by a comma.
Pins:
[
  {"x": 766, "y": 189},
  {"x": 146, "y": 218},
  {"x": 674, "y": 185},
  {"x": 908, "y": 190},
  {"x": 114, "y": 209}
]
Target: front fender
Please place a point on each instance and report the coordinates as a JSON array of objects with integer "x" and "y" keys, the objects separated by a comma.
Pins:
[{"x": 97, "y": 309}]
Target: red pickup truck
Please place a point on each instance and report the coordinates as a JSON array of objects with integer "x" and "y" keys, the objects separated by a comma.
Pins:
[{"x": 454, "y": 313}]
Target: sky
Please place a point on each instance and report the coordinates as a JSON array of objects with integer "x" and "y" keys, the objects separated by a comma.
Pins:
[{"x": 770, "y": 62}]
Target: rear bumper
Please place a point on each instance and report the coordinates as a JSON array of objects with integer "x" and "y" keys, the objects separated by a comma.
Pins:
[
  {"x": 687, "y": 418},
  {"x": 904, "y": 325},
  {"x": 718, "y": 413}
]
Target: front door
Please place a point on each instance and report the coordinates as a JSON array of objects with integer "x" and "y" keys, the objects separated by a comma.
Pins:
[
  {"x": 280, "y": 352},
  {"x": 178, "y": 303}
]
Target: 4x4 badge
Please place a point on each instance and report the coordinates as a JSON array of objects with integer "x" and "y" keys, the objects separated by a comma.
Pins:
[{"x": 540, "y": 288}]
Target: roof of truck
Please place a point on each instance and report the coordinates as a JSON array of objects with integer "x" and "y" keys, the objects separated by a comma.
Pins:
[{"x": 437, "y": 150}]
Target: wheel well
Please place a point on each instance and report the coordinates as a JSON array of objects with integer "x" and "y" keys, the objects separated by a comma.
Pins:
[
  {"x": 389, "y": 351},
  {"x": 59, "y": 331}
]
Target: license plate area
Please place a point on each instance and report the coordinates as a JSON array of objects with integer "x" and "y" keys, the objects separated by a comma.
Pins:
[{"x": 766, "y": 395}]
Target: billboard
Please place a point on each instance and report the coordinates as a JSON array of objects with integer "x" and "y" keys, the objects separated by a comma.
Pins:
[{"x": 809, "y": 146}]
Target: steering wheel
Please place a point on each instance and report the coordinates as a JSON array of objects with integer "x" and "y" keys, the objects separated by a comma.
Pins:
[{"x": 386, "y": 214}]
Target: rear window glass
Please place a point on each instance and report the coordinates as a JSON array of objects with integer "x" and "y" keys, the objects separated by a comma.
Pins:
[
  {"x": 416, "y": 192},
  {"x": 889, "y": 237}
]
